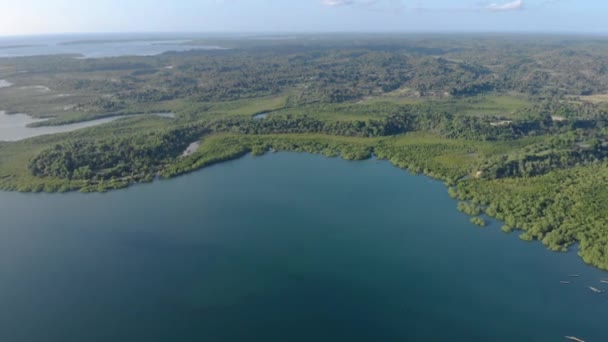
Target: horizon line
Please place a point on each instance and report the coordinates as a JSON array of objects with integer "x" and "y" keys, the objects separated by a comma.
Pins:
[{"x": 307, "y": 32}]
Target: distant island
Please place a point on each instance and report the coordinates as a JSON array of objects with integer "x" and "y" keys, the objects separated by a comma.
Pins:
[
  {"x": 18, "y": 46},
  {"x": 118, "y": 40},
  {"x": 517, "y": 127}
]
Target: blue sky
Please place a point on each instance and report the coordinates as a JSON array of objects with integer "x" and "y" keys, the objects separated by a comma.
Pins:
[{"x": 19, "y": 17}]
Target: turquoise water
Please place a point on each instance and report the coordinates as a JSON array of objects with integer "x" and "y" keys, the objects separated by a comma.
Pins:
[{"x": 284, "y": 247}]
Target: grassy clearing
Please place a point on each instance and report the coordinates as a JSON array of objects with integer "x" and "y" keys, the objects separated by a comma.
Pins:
[
  {"x": 343, "y": 111},
  {"x": 248, "y": 107},
  {"x": 403, "y": 96},
  {"x": 40, "y": 102},
  {"x": 598, "y": 98},
  {"x": 244, "y": 109},
  {"x": 505, "y": 105},
  {"x": 491, "y": 105}
]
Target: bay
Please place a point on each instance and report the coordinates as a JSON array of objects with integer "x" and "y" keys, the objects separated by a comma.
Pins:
[
  {"x": 96, "y": 45},
  {"x": 283, "y": 247}
]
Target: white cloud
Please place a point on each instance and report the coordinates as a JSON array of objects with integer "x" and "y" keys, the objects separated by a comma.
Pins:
[
  {"x": 394, "y": 6},
  {"x": 337, "y": 2},
  {"x": 366, "y": 3},
  {"x": 397, "y": 5},
  {"x": 509, "y": 6}
]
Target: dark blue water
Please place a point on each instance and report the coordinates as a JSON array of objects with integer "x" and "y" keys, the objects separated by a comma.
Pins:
[{"x": 285, "y": 247}]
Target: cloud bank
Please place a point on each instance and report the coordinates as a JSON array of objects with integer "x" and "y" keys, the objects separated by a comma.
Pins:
[{"x": 494, "y": 7}]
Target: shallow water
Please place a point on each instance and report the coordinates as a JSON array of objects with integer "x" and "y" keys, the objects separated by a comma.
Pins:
[
  {"x": 261, "y": 116},
  {"x": 13, "y": 127},
  {"x": 284, "y": 247},
  {"x": 95, "y": 46}
]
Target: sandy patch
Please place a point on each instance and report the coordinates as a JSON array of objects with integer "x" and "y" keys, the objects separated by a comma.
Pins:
[
  {"x": 38, "y": 88},
  {"x": 597, "y": 98},
  {"x": 191, "y": 149}
]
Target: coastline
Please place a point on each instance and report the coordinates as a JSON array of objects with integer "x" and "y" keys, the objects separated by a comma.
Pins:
[{"x": 232, "y": 148}]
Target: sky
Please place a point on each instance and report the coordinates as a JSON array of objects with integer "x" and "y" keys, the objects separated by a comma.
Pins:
[{"x": 26, "y": 17}]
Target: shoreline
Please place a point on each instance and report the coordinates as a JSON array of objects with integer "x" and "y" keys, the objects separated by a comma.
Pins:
[{"x": 236, "y": 157}]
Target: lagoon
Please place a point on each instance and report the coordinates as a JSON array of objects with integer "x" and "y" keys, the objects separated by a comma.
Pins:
[
  {"x": 283, "y": 247},
  {"x": 14, "y": 127}
]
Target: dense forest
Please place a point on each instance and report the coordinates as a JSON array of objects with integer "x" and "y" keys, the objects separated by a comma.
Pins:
[
  {"x": 517, "y": 127},
  {"x": 329, "y": 69}
]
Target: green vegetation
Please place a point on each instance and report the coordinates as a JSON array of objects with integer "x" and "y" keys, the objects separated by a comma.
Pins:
[
  {"x": 517, "y": 134},
  {"x": 469, "y": 209},
  {"x": 560, "y": 208},
  {"x": 478, "y": 221},
  {"x": 506, "y": 229}
]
